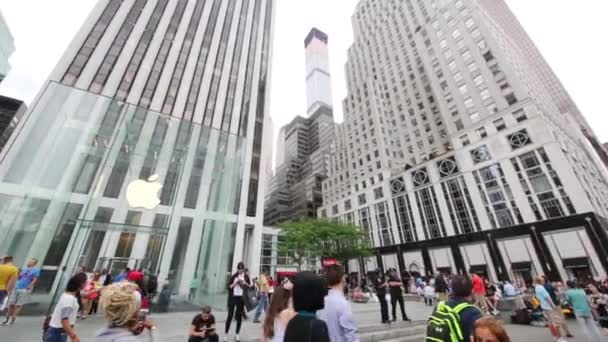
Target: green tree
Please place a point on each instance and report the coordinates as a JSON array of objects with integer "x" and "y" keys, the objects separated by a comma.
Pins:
[{"x": 322, "y": 238}]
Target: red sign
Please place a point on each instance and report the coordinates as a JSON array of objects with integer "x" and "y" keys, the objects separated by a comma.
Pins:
[{"x": 329, "y": 262}]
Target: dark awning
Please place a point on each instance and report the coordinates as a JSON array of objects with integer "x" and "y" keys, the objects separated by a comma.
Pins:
[
  {"x": 521, "y": 266},
  {"x": 479, "y": 269},
  {"x": 576, "y": 262}
]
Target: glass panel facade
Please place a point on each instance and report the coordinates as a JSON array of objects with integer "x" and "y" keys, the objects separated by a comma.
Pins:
[{"x": 101, "y": 183}]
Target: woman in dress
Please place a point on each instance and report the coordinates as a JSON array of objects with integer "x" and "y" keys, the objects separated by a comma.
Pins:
[
  {"x": 278, "y": 315},
  {"x": 90, "y": 294}
]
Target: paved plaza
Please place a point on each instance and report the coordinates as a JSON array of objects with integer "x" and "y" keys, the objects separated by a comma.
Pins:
[{"x": 174, "y": 327}]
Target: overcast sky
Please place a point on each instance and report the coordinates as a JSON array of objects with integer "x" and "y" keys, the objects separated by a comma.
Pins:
[{"x": 571, "y": 37}]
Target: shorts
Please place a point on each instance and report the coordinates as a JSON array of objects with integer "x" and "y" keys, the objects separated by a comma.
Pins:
[
  {"x": 554, "y": 317},
  {"x": 3, "y": 294},
  {"x": 19, "y": 297}
]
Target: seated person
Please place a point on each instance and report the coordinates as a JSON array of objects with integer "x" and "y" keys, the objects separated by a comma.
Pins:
[{"x": 203, "y": 327}]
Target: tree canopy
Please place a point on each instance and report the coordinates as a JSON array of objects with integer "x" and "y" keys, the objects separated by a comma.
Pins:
[{"x": 323, "y": 238}]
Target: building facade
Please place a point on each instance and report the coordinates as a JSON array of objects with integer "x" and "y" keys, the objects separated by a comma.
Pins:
[
  {"x": 303, "y": 144},
  {"x": 7, "y": 47},
  {"x": 451, "y": 140},
  {"x": 162, "y": 94},
  {"x": 11, "y": 111}
]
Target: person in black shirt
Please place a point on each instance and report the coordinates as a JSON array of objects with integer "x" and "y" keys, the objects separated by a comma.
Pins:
[
  {"x": 380, "y": 285},
  {"x": 441, "y": 287},
  {"x": 308, "y": 296},
  {"x": 396, "y": 294},
  {"x": 203, "y": 327}
]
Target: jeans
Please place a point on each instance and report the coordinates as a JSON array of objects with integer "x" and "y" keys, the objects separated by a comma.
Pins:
[
  {"x": 398, "y": 299},
  {"x": 383, "y": 307},
  {"x": 589, "y": 328},
  {"x": 55, "y": 335},
  {"x": 262, "y": 305}
]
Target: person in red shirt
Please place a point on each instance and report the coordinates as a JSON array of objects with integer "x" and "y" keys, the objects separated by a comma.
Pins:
[{"x": 479, "y": 291}]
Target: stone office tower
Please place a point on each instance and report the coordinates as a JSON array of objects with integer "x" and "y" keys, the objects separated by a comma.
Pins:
[{"x": 454, "y": 154}]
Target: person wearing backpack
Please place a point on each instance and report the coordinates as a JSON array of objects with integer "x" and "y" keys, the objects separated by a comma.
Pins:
[{"x": 453, "y": 320}]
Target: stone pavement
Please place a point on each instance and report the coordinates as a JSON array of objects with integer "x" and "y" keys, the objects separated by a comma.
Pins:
[{"x": 174, "y": 326}]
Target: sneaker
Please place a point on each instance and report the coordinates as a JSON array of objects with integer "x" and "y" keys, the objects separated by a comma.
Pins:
[
  {"x": 237, "y": 338},
  {"x": 226, "y": 338},
  {"x": 8, "y": 322},
  {"x": 561, "y": 339},
  {"x": 495, "y": 312}
]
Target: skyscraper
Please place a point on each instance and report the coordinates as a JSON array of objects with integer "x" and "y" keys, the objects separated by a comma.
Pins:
[
  {"x": 318, "y": 77},
  {"x": 454, "y": 155},
  {"x": 149, "y": 93},
  {"x": 303, "y": 144}
]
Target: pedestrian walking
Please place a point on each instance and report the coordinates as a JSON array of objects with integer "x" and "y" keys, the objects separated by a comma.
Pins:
[
  {"x": 89, "y": 294},
  {"x": 479, "y": 291},
  {"x": 599, "y": 304},
  {"x": 120, "y": 304},
  {"x": 490, "y": 330},
  {"x": 8, "y": 277},
  {"x": 236, "y": 307},
  {"x": 263, "y": 288},
  {"x": 441, "y": 287},
  {"x": 549, "y": 309},
  {"x": 337, "y": 313},
  {"x": 583, "y": 312},
  {"x": 429, "y": 294},
  {"x": 381, "y": 285},
  {"x": 308, "y": 296},
  {"x": 453, "y": 320},
  {"x": 63, "y": 319},
  {"x": 202, "y": 328},
  {"x": 396, "y": 292},
  {"x": 279, "y": 314},
  {"x": 28, "y": 277}
]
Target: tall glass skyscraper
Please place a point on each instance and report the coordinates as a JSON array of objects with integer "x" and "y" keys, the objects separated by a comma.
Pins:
[{"x": 150, "y": 94}]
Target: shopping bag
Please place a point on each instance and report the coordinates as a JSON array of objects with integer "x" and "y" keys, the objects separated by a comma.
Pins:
[{"x": 250, "y": 297}]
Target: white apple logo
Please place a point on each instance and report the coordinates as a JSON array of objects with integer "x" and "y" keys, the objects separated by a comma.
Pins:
[{"x": 144, "y": 194}]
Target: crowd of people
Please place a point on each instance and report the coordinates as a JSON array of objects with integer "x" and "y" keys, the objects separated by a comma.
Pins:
[{"x": 311, "y": 306}]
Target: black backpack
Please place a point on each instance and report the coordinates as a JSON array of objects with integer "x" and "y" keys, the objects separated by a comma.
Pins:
[{"x": 444, "y": 324}]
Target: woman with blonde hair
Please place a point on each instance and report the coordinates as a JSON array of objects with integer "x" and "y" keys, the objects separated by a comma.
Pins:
[
  {"x": 489, "y": 330},
  {"x": 120, "y": 305}
]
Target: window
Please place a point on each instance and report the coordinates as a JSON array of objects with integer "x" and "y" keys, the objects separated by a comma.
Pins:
[
  {"x": 480, "y": 154},
  {"x": 459, "y": 125},
  {"x": 443, "y": 43},
  {"x": 466, "y": 55},
  {"x": 465, "y": 140},
  {"x": 475, "y": 33},
  {"x": 452, "y": 65},
  {"x": 469, "y": 23},
  {"x": 519, "y": 139},
  {"x": 511, "y": 99},
  {"x": 485, "y": 94},
  {"x": 463, "y": 89},
  {"x": 469, "y": 103},
  {"x": 334, "y": 209},
  {"x": 478, "y": 80},
  {"x": 347, "y": 205},
  {"x": 474, "y": 116},
  {"x": 488, "y": 56},
  {"x": 520, "y": 115},
  {"x": 362, "y": 199},
  {"x": 378, "y": 193},
  {"x": 482, "y": 132},
  {"x": 500, "y": 124},
  {"x": 456, "y": 33}
]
